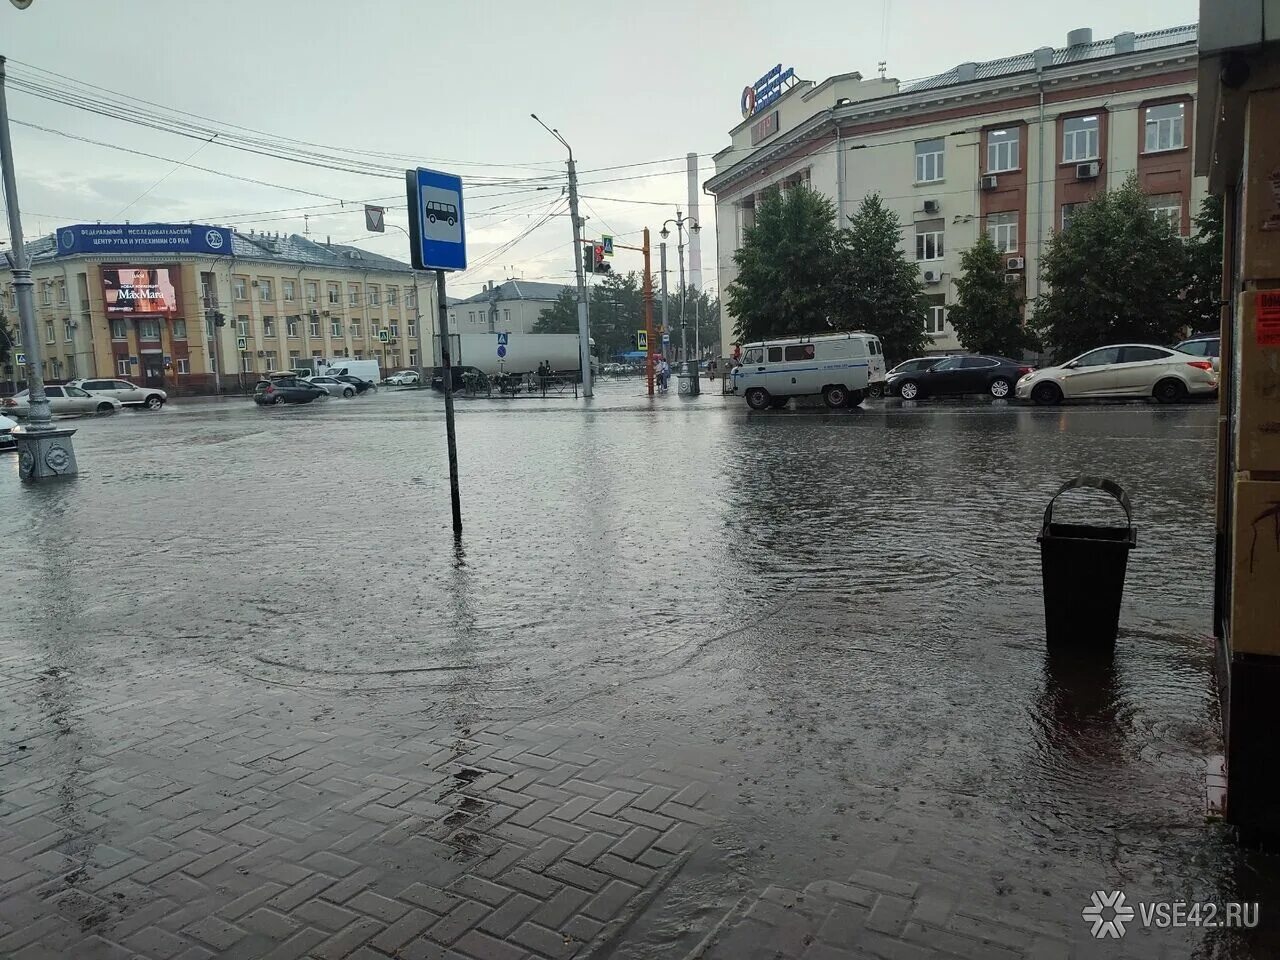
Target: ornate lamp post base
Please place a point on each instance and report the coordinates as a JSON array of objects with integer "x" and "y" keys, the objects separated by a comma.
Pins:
[{"x": 44, "y": 453}]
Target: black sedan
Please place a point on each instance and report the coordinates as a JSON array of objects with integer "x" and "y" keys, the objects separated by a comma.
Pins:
[
  {"x": 360, "y": 385},
  {"x": 286, "y": 390},
  {"x": 953, "y": 376}
]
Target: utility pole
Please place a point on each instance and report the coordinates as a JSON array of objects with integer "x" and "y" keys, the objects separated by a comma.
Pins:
[
  {"x": 690, "y": 376},
  {"x": 648, "y": 305},
  {"x": 43, "y": 451},
  {"x": 584, "y": 330}
]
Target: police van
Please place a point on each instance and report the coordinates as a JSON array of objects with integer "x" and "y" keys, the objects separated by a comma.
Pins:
[{"x": 842, "y": 367}]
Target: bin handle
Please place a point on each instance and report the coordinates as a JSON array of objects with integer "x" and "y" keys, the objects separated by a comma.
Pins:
[{"x": 1100, "y": 483}]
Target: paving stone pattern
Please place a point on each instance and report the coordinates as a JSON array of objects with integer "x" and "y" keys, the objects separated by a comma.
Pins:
[{"x": 238, "y": 835}]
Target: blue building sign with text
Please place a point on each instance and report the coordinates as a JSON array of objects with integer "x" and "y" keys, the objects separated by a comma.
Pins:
[
  {"x": 127, "y": 238},
  {"x": 757, "y": 96}
]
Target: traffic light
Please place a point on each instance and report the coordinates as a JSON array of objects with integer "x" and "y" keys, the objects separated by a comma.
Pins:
[
  {"x": 598, "y": 257},
  {"x": 219, "y": 320},
  {"x": 588, "y": 258}
]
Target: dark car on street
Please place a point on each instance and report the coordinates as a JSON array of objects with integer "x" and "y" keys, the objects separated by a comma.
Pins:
[
  {"x": 915, "y": 365},
  {"x": 286, "y": 390},
  {"x": 954, "y": 376},
  {"x": 360, "y": 385}
]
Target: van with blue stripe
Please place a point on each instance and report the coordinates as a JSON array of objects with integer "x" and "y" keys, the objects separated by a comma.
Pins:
[{"x": 842, "y": 368}]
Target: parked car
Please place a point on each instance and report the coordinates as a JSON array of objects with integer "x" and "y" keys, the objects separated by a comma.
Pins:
[
  {"x": 63, "y": 399},
  {"x": 915, "y": 365},
  {"x": 953, "y": 376},
  {"x": 1206, "y": 345},
  {"x": 333, "y": 386},
  {"x": 6, "y": 441},
  {"x": 839, "y": 367},
  {"x": 129, "y": 394},
  {"x": 1122, "y": 370},
  {"x": 404, "y": 378},
  {"x": 362, "y": 386},
  {"x": 286, "y": 390}
]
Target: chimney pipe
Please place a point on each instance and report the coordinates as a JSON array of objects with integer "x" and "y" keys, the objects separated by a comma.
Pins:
[
  {"x": 1080, "y": 38},
  {"x": 1125, "y": 41}
]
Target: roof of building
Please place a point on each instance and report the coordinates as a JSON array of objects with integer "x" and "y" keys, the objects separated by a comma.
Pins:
[
  {"x": 282, "y": 247},
  {"x": 518, "y": 290},
  {"x": 1025, "y": 62}
]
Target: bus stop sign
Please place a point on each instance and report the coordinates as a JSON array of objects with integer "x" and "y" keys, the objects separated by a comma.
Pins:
[{"x": 437, "y": 237}]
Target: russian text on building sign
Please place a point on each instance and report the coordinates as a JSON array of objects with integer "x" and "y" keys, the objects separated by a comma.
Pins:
[
  {"x": 766, "y": 90},
  {"x": 174, "y": 238}
]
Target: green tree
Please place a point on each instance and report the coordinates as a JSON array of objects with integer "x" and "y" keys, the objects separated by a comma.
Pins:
[
  {"x": 1204, "y": 254},
  {"x": 1116, "y": 274},
  {"x": 561, "y": 316},
  {"x": 875, "y": 287},
  {"x": 702, "y": 319},
  {"x": 784, "y": 266},
  {"x": 987, "y": 314}
]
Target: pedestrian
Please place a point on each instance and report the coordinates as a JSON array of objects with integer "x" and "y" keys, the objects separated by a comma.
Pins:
[
  {"x": 664, "y": 374},
  {"x": 711, "y": 368}
]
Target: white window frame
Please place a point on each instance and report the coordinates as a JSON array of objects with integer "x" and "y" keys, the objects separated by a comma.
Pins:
[
  {"x": 46, "y": 293},
  {"x": 312, "y": 291},
  {"x": 393, "y": 327},
  {"x": 291, "y": 327},
  {"x": 375, "y": 295},
  {"x": 335, "y": 328},
  {"x": 182, "y": 365},
  {"x": 264, "y": 290},
  {"x": 334, "y": 293},
  {"x": 122, "y": 367},
  {"x": 313, "y": 328},
  {"x": 930, "y": 162},
  {"x": 287, "y": 290},
  {"x": 935, "y": 321},
  {"x": 1002, "y": 228},
  {"x": 62, "y": 292},
  {"x": 1004, "y": 154},
  {"x": 930, "y": 246},
  {"x": 122, "y": 327},
  {"x": 246, "y": 362},
  {"x": 1084, "y": 138},
  {"x": 239, "y": 289},
  {"x": 268, "y": 326},
  {"x": 179, "y": 331},
  {"x": 148, "y": 325},
  {"x": 353, "y": 294},
  {"x": 355, "y": 327},
  {"x": 68, "y": 331},
  {"x": 1168, "y": 207},
  {"x": 50, "y": 332},
  {"x": 1063, "y": 219},
  {"x": 411, "y": 329},
  {"x": 413, "y": 358},
  {"x": 393, "y": 296},
  {"x": 1172, "y": 128},
  {"x": 242, "y": 326}
]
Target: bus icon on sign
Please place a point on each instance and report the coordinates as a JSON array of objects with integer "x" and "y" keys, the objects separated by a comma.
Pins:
[{"x": 441, "y": 211}]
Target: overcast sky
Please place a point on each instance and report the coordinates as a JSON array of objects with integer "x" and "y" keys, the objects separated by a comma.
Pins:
[{"x": 451, "y": 85}]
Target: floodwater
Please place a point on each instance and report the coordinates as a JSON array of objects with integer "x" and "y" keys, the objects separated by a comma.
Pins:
[{"x": 840, "y": 610}]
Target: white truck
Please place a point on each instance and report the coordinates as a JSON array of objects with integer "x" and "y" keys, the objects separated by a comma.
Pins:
[
  {"x": 364, "y": 369},
  {"x": 522, "y": 353},
  {"x": 842, "y": 367}
]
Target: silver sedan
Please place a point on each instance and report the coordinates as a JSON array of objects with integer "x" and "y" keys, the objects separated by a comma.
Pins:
[
  {"x": 62, "y": 400},
  {"x": 333, "y": 386}
]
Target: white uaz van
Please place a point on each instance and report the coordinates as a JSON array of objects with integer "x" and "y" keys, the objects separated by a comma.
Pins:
[{"x": 839, "y": 366}]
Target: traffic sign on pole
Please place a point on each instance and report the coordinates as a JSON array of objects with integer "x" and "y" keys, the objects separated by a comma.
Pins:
[
  {"x": 502, "y": 350},
  {"x": 642, "y": 340},
  {"x": 502, "y": 339},
  {"x": 608, "y": 245},
  {"x": 436, "y": 220}
]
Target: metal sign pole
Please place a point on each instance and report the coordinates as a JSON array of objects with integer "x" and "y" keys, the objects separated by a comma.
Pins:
[{"x": 446, "y": 373}]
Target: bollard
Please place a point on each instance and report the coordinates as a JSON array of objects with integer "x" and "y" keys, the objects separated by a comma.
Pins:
[{"x": 1083, "y": 569}]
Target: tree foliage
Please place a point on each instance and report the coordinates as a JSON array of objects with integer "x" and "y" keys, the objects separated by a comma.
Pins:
[
  {"x": 561, "y": 316},
  {"x": 785, "y": 266},
  {"x": 1204, "y": 253},
  {"x": 875, "y": 287},
  {"x": 987, "y": 313},
  {"x": 1117, "y": 274}
]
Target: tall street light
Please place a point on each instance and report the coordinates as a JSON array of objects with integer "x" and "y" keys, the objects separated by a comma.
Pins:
[
  {"x": 690, "y": 368},
  {"x": 584, "y": 333}
]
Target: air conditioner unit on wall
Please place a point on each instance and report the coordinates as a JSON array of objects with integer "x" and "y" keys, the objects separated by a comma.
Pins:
[
  {"x": 932, "y": 276},
  {"x": 1014, "y": 263},
  {"x": 931, "y": 206},
  {"x": 1013, "y": 278},
  {"x": 990, "y": 182},
  {"x": 1087, "y": 171}
]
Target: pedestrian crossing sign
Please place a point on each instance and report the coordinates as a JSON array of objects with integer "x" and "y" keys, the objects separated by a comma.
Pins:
[
  {"x": 642, "y": 340},
  {"x": 502, "y": 339}
]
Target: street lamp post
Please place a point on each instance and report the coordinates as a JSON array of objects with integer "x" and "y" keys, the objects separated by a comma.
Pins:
[
  {"x": 690, "y": 367},
  {"x": 43, "y": 451}
]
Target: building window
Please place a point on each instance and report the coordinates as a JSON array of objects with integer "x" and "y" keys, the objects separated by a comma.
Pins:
[
  {"x": 935, "y": 319},
  {"x": 287, "y": 288},
  {"x": 1079, "y": 139},
  {"x": 179, "y": 329},
  {"x": 312, "y": 292},
  {"x": 375, "y": 295},
  {"x": 295, "y": 359},
  {"x": 317, "y": 355},
  {"x": 62, "y": 292},
  {"x": 393, "y": 327},
  {"x": 410, "y": 296},
  {"x": 291, "y": 327},
  {"x": 506, "y": 317},
  {"x": 413, "y": 358},
  {"x": 335, "y": 295},
  {"x": 119, "y": 330},
  {"x": 353, "y": 294},
  {"x": 242, "y": 326},
  {"x": 1069, "y": 210},
  {"x": 359, "y": 355},
  {"x": 1002, "y": 228},
  {"x": 71, "y": 367},
  {"x": 393, "y": 295},
  {"x": 268, "y": 326},
  {"x": 335, "y": 328},
  {"x": 313, "y": 327},
  {"x": 206, "y": 293},
  {"x": 246, "y": 363},
  {"x": 412, "y": 329},
  {"x": 239, "y": 288},
  {"x": 264, "y": 290},
  {"x": 374, "y": 325},
  {"x": 148, "y": 329},
  {"x": 46, "y": 293},
  {"x": 68, "y": 331},
  {"x": 49, "y": 336},
  {"x": 1002, "y": 150},
  {"x": 122, "y": 366},
  {"x": 1166, "y": 127},
  {"x": 471, "y": 318},
  {"x": 271, "y": 360},
  {"x": 355, "y": 326},
  {"x": 929, "y": 241},
  {"x": 1167, "y": 207},
  {"x": 929, "y": 160}
]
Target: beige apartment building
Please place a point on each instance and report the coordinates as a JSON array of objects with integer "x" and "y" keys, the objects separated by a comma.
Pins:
[
  {"x": 1010, "y": 146},
  {"x": 204, "y": 321}
]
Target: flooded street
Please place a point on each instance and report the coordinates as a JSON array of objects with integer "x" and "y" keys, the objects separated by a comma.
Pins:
[{"x": 818, "y": 635}]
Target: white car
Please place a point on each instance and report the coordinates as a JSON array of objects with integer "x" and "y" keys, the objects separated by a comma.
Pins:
[
  {"x": 1122, "y": 370},
  {"x": 130, "y": 394},
  {"x": 333, "y": 386},
  {"x": 62, "y": 400},
  {"x": 404, "y": 378},
  {"x": 6, "y": 441}
]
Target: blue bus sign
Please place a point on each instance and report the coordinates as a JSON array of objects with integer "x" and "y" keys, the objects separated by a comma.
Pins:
[{"x": 438, "y": 239}]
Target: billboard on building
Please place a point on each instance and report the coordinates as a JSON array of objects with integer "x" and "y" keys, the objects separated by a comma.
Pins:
[
  {"x": 136, "y": 238},
  {"x": 134, "y": 290}
]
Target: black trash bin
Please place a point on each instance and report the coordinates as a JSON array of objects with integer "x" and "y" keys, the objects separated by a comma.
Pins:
[{"x": 1083, "y": 568}]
